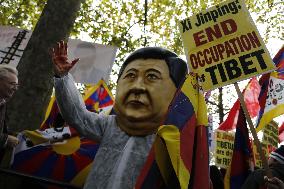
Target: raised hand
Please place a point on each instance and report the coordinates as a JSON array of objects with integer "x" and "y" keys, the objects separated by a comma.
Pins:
[{"x": 61, "y": 65}]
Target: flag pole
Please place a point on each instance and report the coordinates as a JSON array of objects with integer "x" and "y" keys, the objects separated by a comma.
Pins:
[{"x": 252, "y": 129}]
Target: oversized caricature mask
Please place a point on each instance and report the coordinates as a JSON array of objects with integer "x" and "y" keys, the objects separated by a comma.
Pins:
[{"x": 146, "y": 85}]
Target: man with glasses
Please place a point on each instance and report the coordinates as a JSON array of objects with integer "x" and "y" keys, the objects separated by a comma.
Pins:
[{"x": 8, "y": 86}]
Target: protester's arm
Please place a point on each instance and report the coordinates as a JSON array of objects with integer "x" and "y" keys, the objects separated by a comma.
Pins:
[
  {"x": 254, "y": 180},
  {"x": 69, "y": 99},
  {"x": 74, "y": 111}
]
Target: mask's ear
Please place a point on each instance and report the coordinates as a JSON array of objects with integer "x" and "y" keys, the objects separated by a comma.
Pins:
[{"x": 178, "y": 70}]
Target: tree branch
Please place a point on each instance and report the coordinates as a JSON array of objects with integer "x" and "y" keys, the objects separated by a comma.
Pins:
[{"x": 215, "y": 104}]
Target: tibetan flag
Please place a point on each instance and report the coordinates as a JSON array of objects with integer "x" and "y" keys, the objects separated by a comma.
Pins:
[
  {"x": 50, "y": 115},
  {"x": 239, "y": 168},
  {"x": 180, "y": 153},
  {"x": 272, "y": 94},
  {"x": 251, "y": 94},
  {"x": 58, "y": 153},
  {"x": 99, "y": 98},
  {"x": 67, "y": 161},
  {"x": 50, "y": 135}
]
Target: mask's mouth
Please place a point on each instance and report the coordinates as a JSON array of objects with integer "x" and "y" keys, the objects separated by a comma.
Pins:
[
  {"x": 135, "y": 102},
  {"x": 137, "y": 99}
]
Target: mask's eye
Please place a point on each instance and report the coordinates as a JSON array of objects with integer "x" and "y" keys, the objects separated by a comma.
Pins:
[
  {"x": 153, "y": 76},
  {"x": 130, "y": 75}
]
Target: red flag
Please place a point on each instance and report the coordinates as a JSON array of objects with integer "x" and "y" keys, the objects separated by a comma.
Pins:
[
  {"x": 251, "y": 97},
  {"x": 281, "y": 133},
  {"x": 231, "y": 121},
  {"x": 251, "y": 93}
]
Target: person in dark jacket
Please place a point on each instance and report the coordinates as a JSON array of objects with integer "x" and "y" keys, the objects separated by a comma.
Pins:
[
  {"x": 256, "y": 179},
  {"x": 216, "y": 177}
]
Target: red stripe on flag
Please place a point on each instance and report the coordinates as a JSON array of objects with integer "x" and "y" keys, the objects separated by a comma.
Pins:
[
  {"x": 187, "y": 142},
  {"x": 145, "y": 170},
  {"x": 58, "y": 172},
  {"x": 30, "y": 167},
  {"x": 201, "y": 176}
]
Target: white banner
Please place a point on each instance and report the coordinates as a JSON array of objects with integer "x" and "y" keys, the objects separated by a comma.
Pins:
[
  {"x": 95, "y": 63},
  {"x": 13, "y": 41}
]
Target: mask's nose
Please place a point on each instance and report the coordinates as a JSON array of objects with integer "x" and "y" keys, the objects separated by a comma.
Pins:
[{"x": 139, "y": 84}]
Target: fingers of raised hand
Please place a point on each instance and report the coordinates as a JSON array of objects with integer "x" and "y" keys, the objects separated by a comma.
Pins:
[
  {"x": 74, "y": 61},
  {"x": 58, "y": 58},
  {"x": 62, "y": 46}
]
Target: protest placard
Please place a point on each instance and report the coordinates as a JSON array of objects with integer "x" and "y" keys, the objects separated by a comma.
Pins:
[
  {"x": 96, "y": 60},
  {"x": 270, "y": 136},
  {"x": 224, "y": 148},
  {"x": 223, "y": 46},
  {"x": 257, "y": 159},
  {"x": 13, "y": 42}
]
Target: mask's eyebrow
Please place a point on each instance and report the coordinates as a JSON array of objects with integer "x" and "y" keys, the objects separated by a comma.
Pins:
[
  {"x": 154, "y": 70},
  {"x": 131, "y": 70}
]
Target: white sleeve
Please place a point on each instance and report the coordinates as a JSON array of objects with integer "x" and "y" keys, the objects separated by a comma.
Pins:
[{"x": 74, "y": 112}]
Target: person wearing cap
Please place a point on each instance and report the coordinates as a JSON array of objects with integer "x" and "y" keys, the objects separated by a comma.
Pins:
[
  {"x": 8, "y": 86},
  {"x": 258, "y": 178},
  {"x": 147, "y": 82}
]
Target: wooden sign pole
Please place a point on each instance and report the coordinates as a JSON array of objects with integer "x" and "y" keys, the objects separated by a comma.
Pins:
[{"x": 256, "y": 141}]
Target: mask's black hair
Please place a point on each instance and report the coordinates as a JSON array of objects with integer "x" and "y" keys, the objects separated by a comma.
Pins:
[{"x": 177, "y": 66}]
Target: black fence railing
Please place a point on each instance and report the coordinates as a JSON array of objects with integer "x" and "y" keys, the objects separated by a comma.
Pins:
[{"x": 34, "y": 179}]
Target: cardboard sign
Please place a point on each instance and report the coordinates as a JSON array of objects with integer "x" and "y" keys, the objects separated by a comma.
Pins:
[
  {"x": 256, "y": 155},
  {"x": 224, "y": 148},
  {"x": 96, "y": 60},
  {"x": 270, "y": 135},
  {"x": 13, "y": 42},
  {"x": 223, "y": 46}
]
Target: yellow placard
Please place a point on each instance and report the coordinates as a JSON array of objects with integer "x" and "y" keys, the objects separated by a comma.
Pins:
[
  {"x": 224, "y": 148},
  {"x": 270, "y": 135},
  {"x": 223, "y": 46},
  {"x": 256, "y": 155}
]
